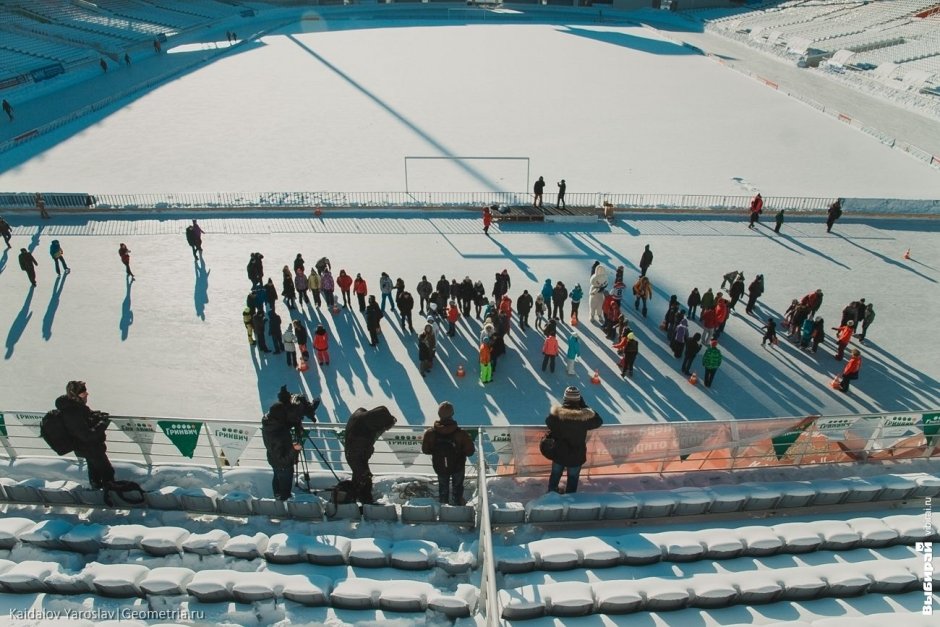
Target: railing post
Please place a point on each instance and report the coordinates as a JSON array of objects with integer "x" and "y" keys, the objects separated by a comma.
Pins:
[{"x": 488, "y": 599}]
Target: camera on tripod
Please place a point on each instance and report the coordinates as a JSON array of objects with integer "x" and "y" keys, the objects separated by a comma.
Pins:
[{"x": 306, "y": 408}]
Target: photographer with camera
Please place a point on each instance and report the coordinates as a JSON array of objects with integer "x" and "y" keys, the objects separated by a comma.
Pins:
[
  {"x": 282, "y": 432},
  {"x": 86, "y": 429},
  {"x": 363, "y": 429}
]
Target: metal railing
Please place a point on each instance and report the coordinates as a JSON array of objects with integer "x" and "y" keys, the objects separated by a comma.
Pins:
[
  {"x": 489, "y": 602},
  {"x": 371, "y": 200}
]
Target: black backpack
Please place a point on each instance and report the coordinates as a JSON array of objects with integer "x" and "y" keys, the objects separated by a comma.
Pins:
[
  {"x": 190, "y": 235},
  {"x": 124, "y": 490},
  {"x": 53, "y": 431},
  {"x": 445, "y": 456}
]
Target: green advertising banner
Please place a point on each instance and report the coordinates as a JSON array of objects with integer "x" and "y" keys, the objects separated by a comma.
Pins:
[
  {"x": 785, "y": 440},
  {"x": 3, "y": 427},
  {"x": 931, "y": 428},
  {"x": 183, "y": 433}
]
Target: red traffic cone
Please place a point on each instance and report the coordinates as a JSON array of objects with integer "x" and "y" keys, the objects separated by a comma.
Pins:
[
  {"x": 596, "y": 377},
  {"x": 318, "y": 212},
  {"x": 836, "y": 382},
  {"x": 303, "y": 366},
  {"x": 693, "y": 379},
  {"x": 335, "y": 309},
  {"x": 574, "y": 320},
  {"x": 460, "y": 371},
  {"x": 907, "y": 254}
]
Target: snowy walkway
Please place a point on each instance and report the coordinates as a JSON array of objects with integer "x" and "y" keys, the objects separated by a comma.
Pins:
[{"x": 173, "y": 344}]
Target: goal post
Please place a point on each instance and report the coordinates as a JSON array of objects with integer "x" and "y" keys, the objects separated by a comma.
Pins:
[{"x": 451, "y": 173}]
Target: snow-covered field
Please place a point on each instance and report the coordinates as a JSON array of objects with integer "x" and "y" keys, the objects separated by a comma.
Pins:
[{"x": 606, "y": 107}]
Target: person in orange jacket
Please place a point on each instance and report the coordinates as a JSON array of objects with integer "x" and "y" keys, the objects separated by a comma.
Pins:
[
  {"x": 486, "y": 364},
  {"x": 344, "y": 282},
  {"x": 487, "y": 220},
  {"x": 721, "y": 314},
  {"x": 453, "y": 314},
  {"x": 505, "y": 309},
  {"x": 549, "y": 352},
  {"x": 360, "y": 289},
  {"x": 843, "y": 337},
  {"x": 850, "y": 372},
  {"x": 321, "y": 345}
]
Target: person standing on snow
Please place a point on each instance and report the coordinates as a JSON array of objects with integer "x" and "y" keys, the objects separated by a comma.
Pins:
[
  {"x": 55, "y": 251},
  {"x": 427, "y": 345},
  {"x": 125, "y": 254},
  {"x": 643, "y": 291},
  {"x": 646, "y": 260},
  {"x": 850, "y": 372},
  {"x": 313, "y": 284},
  {"x": 692, "y": 347},
  {"x": 321, "y": 346},
  {"x": 562, "y": 188},
  {"x": 449, "y": 447},
  {"x": 569, "y": 424},
  {"x": 722, "y": 312},
  {"x": 406, "y": 304},
  {"x": 867, "y": 319},
  {"x": 487, "y": 220},
  {"x": 559, "y": 296},
  {"x": 737, "y": 291},
  {"x": 598, "y": 286},
  {"x": 385, "y": 287},
  {"x": 6, "y": 232},
  {"x": 754, "y": 291},
  {"x": 274, "y": 328},
  {"x": 757, "y": 208},
  {"x": 549, "y": 352},
  {"x": 843, "y": 337},
  {"x": 290, "y": 346},
  {"x": 302, "y": 285},
  {"x": 547, "y": 291},
  {"x": 327, "y": 286},
  {"x": 361, "y": 290},
  {"x": 834, "y": 213},
  {"x": 770, "y": 332},
  {"x": 424, "y": 290},
  {"x": 344, "y": 282},
  {"x": 576, "y": 295},
  {"x": 573, "y": 352},
  {"x": 374, "y": 316},
  {"x": 28, "y": 264},
  {"x": 287, "y": 289},
  {"x": 711, "y": 361},
  {"x": 523, "y": 307},
  {"x": 194, "y": 239},
  {"x": 257, "y": 324},
  {"x": 778, "y": 220}
]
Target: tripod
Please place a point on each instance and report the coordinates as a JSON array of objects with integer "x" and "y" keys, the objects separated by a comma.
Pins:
[{"x": 301, "y": 468}]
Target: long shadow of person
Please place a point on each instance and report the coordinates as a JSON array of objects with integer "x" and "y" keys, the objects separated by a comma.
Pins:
[
  {"x": 48, "y": 319},
  {"x": 19, "y": 324},
  {"x": 34, "y": 240},
  {"x": 127, "y": 314},
  {"x": 201, "y": 290},
  {"x": 3, "y": 259}
]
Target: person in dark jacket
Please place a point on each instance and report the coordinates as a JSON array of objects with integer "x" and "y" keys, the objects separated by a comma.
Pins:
[
  {"x": 406, "y": 304},
  {"x": 523, "y": 307},
  {"x": 692, "y": 346},
  {"x": 287, "y": 289},
  {"x": 28, "y": 265},
  {"x": 754, "y": 291},
  {"x": 569, "y": 424},
  {"x": 646, "y": 260},
  {"x": 277, "y": 336},
  {"x": 737, "y": 291},
  {"x": 466, "y": 296},
  {"x": 363, "y": 429},
  {"x": 479, "y": 298},
  {"x": 559, "y": 296},
  {"x": 270, "y": 294},
  {"x": 537, "y": 190},
  {"x": 834, "y": 213},
  {"x": 87, "y": 431},
  {"x": 695, "y": 299},
  {"x": 282, "y": 433},
  {"x": 443, "y": 293},
  {"x": 374, "y": 316},
  {"x": 449, "y": 447},
  {"x": 424, "y": 290},
  {"x": 257, "y": 324},
  {"x": 778, "y": 220},
  {"x": 6, "y": 232}
]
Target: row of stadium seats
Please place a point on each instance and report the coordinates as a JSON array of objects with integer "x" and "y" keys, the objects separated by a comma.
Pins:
[
  {"x": 204, "y": 500},
  {"x": 280, "y": 548},
  {"x": 220, "y": 586},
  {"x": 729, "y": 586},
  {"x": 719, "y": 499},
  {"x": 635, "y": 549}
]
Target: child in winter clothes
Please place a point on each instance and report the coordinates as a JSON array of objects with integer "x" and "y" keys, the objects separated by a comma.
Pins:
[
  {"x": 630, "y": 348},
  {"x": 539, "y": 312},
  {"x": 819, "y": 332},
  {"x": 806, "y": 332},
  {"x": 549, "y": 352},
  {"x": 576, "y": 295},
  {"x": 55, "y": 251},
  {"x": 770, "y": 332},
  {"x": 290, "y": 345},
  {"x": 486, "y": 366},
  {"x": 246, "y": 318},
  {"x": 574, "y": 349},
  {"x": 321, "y": 344}
]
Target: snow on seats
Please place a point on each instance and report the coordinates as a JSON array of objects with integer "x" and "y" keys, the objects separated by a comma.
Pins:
[
  {"x": 310, "y": 590},
  {"x": 209, "y": 543},
  {"x": 246, "y": 547},
  {"x": 568, "y": 599},
  {"x": 164, "y": 540},
  {"x": 677, "y": 546},
  {"x": 123, "y": 537},
  {"x": 555, "y": 553},
  {"x": 873, "y": 532},
  {"x": 613, "y": 598},
  {"x": 85, "y": 538},
  {"x": 797, "y": 537},
  {"x": 522, "y": 603},
  {"x": 405, "y": 596},
  {"x": 10, "y": 530},
  {"x": 28, "y": 577},
  {"x": 216, "y": 586},
  {"x": 760, "y": 540},
  {"x": 328, "y": 550},
  {"x": 287, "y": 548},
  {"x": 166, "y": 580},
  {"x": 638, "y": 550},
  {"x": 413, "y": 554},
  {"x": 47, "y": 534},
  {"x": 117, "y": 580},
  {"x": 369, "y": 552},
  {"x": 722, "y": 543}
]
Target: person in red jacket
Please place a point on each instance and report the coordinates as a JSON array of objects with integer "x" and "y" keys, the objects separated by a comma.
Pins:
[
  {"x": 321, "y": 345},
  {"x": 125, "y": 254},
  {"x": 505, "y": 310},
  {"x": 709, "y": 324},
  {"x": 453, "y": 314},
  {"x": 757, "y": 207},
  {"x": 344, "y": 282},
  {"x": 360, "y": 289},
  {"x": 721, "y": 314},
  {"x": 843, "y": 337},
  {"x": 850, "y": 372},
  {"x": 549, "y": 352},
  {"x": 487, "y": 220}
]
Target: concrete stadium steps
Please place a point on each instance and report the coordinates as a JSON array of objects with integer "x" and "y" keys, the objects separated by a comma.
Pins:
[
  {"x": 203, "y": 500},
  {"x": 745, "y": 581},
  {"x": 719, "y": 499},
  {"x": 89, "y": 540},
  {"x": 595, "y": 552}
]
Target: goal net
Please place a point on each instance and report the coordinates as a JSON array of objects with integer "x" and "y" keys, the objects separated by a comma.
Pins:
[{"x": 466, "y": 174}]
